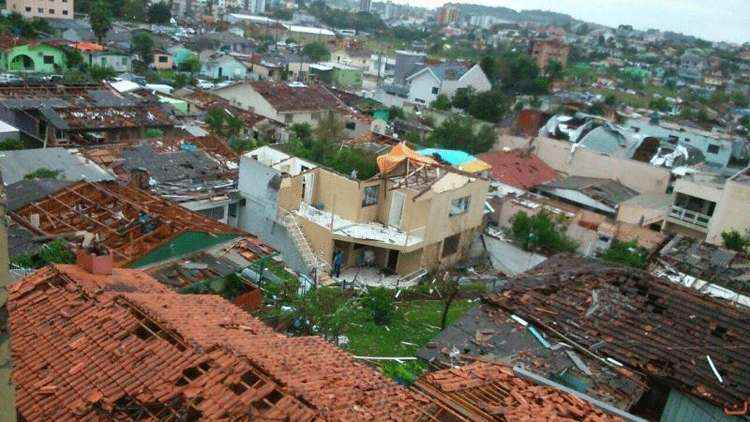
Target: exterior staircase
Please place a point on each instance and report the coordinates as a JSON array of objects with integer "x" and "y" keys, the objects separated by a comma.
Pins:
[{"x": 317, "y": 267}]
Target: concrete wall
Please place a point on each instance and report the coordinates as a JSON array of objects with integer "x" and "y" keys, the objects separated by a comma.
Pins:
[
  {"x": 420, "y": 88},
  {"x": 731, "y": 213},
  {"x": 636, "y": 175},
  {"x": 259, "y": 215}
]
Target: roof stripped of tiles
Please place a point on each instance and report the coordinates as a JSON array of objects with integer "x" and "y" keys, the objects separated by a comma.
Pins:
[
  {"x": 128, "y": 221},
  {"x": 645, "y": 323},
  {"x": 491, "y": 391},
  {"x": 122, "y": 347}
]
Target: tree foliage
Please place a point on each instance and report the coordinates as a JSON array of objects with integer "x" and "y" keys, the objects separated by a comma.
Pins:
[
  {"x": 55, "y": 252},
  {"x": 329, "y": 128},
  {"x": 11, "y": 144},
  {"x": 490, "y": 106},
  {"x": 192, "y": 64},
  {"x": 348, "y": 161},
  {"x": 143, "y": 45},
  {"x": 462, "y": 98},
  {"x": 540, "y": 233},
  {"x": 491, "y": 69},
  {"x": 626, "y": 253},
  {"x": 221, "y": 123},
  {"x": 519, "y": 74},
  {"x": 159, "y": 13},
  {"x": 134, "y": 10},
  {"x": 458, "y": 132},
  {"x": 735, "y": 241},
  {"x": 660, "y": 104},
  {"x": 442, "y": 102},
  {"x": 380, "y": 303},
  {"x": 317, "y": 51},
  {"x": 43, "y": 173},
  {"x": 100, "y": 19},
  {"x": 21, "y": 27}
]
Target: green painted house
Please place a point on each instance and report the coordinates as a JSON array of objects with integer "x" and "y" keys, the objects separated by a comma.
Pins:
[{"x": 33, "y": 58}]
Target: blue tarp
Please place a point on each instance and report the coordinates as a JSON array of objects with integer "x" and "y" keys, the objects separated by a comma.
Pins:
[{"x": 452, "y": 157}]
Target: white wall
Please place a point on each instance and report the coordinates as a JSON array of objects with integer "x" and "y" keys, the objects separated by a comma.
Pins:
[{"x": 420, "y": 88}]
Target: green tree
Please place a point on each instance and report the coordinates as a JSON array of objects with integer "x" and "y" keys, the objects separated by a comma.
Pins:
[
  {"x": 143, "y": 45},
  {"x": 490, "y": 106},
  {"x": 554, "y": 70},
  {"x": 458, "y": 132},
  {"x": 490, "y": 68},
  {"x": 735, "y": 241},
  {"x": 740, "y": 99},
  {"x": 192, "y": 64},
  {"x": 380, "y": 303},
  {"x": 540, "y": 232},
  {"x": 100, "y": 19},
  {"x": 134, "y": 10},
  {"x": 329, "y": 128},
  {"x": 99, "y": 73},
  {"x": 215, "y": 118},
  {"x": 519, "y": 74},
  {"x": 317, "y": 51},
  {"x": 626, "y": 253},
  {"x": 462, "y": 98},
  {"x": 55, "y": 252},
  {"x": 660, "y": 104},
  {"x": 395, "y": 112},
  {"x": 611, "y": 100},
  {"x": 442, "y": 102},
  {"x": 302, "y": 131},
  {"x": 159, "y": 13}
]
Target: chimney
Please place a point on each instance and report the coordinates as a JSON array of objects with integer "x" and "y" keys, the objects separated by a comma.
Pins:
[{"x": 95, "y": 259}]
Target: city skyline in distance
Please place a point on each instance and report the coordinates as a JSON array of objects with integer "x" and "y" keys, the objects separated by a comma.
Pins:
[{"x": 719, "y": 20}]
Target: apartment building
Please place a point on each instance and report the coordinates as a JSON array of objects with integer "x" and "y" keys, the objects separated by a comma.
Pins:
[
  {"x": 706, "y": 205},
  {"x": 58, "y": 9},
  {"x": 412, "y": 217}
]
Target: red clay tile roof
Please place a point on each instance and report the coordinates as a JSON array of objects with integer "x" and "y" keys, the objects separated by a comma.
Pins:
[
  {"x": 123, "y": 347},
  {"x": 518, "y": 169},
  {"x": 649, "y": 324},
  {"x": 284, "y": 97},
  {"x": 491, "y": 391}
]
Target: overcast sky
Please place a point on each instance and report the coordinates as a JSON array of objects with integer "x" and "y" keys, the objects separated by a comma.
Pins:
[{"x": 715, "y": 20}]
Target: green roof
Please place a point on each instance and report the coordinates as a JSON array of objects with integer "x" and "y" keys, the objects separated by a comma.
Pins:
[
  {"x": 184, "y": 244},
  {"x": 681, "y": 407}
]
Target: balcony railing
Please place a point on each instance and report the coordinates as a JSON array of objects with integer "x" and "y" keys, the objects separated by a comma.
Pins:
[{"x": 689, "y": 216}]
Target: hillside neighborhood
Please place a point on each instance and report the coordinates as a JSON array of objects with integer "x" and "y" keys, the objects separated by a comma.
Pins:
[{"x": 338, "y": 210}]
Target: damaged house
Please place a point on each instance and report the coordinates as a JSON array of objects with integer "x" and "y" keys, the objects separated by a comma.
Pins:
[
  {"x": 670, "y": 350},
  {"x": 378, "y": 224},
  {"x": 81, "y": 115},
  {"x": 661, "y": 144}
]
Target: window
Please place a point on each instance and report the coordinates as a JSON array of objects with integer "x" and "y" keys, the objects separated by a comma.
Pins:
[
  {"x": 419, "y": 100},
  {"x": 51, "y": 11},
  {"x": 104, "y": 61},
  {"x": 217, "y": 213},
  {"x": 315, "y": 116},
  {"x": 672, "y": 139},
  {"x": 370, "y": 196},
  {"x": 288, "y": 118},
  {"x": 450, "y": 245},
  {"x": 40, "y": 10},
  {"x": 713, "y": 149},
  {"x": 49, "y": 60},
  {"x": 59, "y": 134},
  {"x": 124, "y": 61},
  {"x": 435, "y": 90},
  {"x": 233, "y": 210},
  {"x": 459, "y": 206},
  {"x": 28, "y": 9},
  {"x": 351, "y": 125},
  {"x": 163, "y": 59},
  {"x": 65, "y": 12}
]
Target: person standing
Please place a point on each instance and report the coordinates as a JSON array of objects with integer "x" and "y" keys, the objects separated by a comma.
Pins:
[{"x": 338, "y": 258}]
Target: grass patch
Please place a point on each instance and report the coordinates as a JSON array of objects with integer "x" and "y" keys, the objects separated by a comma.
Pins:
[{"x": 415, "y": 323}]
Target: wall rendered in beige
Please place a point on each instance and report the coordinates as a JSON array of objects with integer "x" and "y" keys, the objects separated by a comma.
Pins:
[
  {"x": 731, "y": 213},
  {"x": 636, "y": 175}
]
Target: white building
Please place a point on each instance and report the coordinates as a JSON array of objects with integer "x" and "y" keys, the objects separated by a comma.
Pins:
[{"x": 426, "y": 84}]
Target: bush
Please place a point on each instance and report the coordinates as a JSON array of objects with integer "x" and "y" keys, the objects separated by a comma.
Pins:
[
  {"x": 153, "y": 133},
  {"x": 55, "y": 252},
  {"x": 441, "y": 103},
  {"x": 540, "y": 232},
  {"x": 735, "y": 241},
  {"x": 381, "y": 305},
  {"x": 11, "y": 144},
  {"x": 626, "y": 253},
  {"x": 43, "y": 173}
]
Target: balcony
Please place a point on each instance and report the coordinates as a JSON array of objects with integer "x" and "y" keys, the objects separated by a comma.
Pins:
[
  {"x": 368, "y": 233},
  {"x": 683, "y": 215}
]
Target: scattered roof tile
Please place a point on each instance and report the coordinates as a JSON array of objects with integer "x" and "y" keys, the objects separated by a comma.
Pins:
[{"x": 518, "y": 169}]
